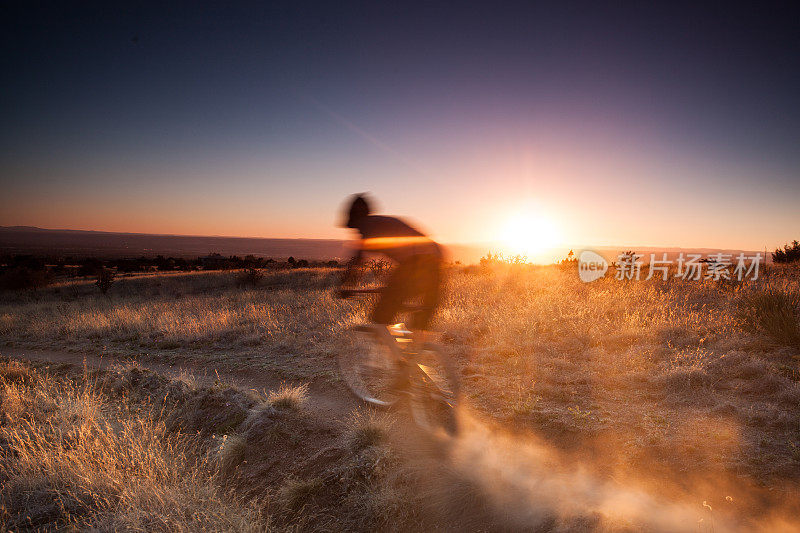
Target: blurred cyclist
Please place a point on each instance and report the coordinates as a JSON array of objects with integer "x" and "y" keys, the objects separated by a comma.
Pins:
[{"x": 418, "y": 259}]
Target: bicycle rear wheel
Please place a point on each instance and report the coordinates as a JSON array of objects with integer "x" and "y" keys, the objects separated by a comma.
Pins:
[
  {"x": 369, "y": 368},
  {"x": 435, "y": 392}
]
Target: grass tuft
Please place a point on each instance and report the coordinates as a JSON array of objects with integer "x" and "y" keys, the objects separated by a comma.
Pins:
[
  {"x": 231, "y": 452},
  {"x": 296, "y": 493},
  {"x": 366, "y": 428},
  {"x": 289, "y": 397},
  {"x": 14, "y": 372}
]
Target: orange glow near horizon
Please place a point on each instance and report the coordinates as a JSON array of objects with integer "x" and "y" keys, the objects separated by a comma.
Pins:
[{"x": 544, "y": 195}]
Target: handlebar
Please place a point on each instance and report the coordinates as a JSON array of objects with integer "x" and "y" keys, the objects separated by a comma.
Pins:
[
  {"x": 355, "y": 292},
  {"x": 346, "y": 293}
]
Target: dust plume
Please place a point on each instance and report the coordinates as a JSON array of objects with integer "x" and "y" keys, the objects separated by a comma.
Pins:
[{"x": 488, "y": 478}]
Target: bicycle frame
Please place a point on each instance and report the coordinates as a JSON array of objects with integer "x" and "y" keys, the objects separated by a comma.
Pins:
[{"x": 403, "y": 345}]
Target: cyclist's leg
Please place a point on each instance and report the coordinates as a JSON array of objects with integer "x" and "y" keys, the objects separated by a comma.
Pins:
[
  {"x": 398, "y": 288},
  {"x": 429, "y": 285}
]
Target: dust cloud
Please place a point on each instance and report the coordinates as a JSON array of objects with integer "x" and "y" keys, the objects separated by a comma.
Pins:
[{"x": 521, "y": 482}]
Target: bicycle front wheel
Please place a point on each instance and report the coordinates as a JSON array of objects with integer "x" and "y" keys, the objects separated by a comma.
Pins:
[
  {"x": 436, "y": 389},
  {"x": 369, "y": 368}
]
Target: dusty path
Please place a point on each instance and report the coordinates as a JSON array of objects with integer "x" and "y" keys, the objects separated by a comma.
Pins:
[{"x": 324, "y": 399}]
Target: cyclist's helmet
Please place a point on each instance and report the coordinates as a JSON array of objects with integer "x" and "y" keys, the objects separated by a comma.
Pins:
[{"x": 359, "y": 208}]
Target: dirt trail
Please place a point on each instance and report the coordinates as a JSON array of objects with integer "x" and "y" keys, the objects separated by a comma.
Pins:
[{"x": 325, "y": 400}]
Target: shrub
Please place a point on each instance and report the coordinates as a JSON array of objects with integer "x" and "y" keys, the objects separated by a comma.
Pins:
[
  {"x": 105, "y": 278},
  {"x": 571, "y": 261},
  {"x": 491, "y": 260},
  {"x": 250, "y": 277},
  {"x": 15, "y": 372},
  {"x": 378, "y": 267},
  {"x": 89, "y": 267},
  {"x": 789, "y": 254}
]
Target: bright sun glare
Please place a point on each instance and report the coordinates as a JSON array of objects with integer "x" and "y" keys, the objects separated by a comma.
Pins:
[{"x": 530, "y": 235}]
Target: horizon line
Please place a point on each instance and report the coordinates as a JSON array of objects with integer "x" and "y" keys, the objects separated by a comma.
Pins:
[{"x": 572, "y": 246}]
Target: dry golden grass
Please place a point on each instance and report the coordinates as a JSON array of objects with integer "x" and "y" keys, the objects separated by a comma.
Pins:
[
  {"x": 230, "y": 452},
  {"x": 129, "y": 449},
  {"x": 773, "y": 313},
  {"x": 294, "y": 493},
  {"x": 70, "y": 458},
  {"x": 687, "y": 384},
  {"x": 204, "y": 314},
  {"x": 367, "y": 427},
  {"x": 289, "y": 397}
]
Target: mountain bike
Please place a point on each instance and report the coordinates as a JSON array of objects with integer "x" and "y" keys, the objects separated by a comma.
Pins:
[{"x": 386, "y": 367}]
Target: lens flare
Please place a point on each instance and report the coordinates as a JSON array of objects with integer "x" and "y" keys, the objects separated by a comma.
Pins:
[{"x": 530, "y": 234}]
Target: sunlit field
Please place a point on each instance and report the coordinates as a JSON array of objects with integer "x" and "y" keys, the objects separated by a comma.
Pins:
[
  {"x": 652, "y": 403},
  {"x": 72, "y": 457},
  {"x": 127, "y": 449}
]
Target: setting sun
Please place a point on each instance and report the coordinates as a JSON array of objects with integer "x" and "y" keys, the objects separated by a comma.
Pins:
[{"x": 530, "y": 235}]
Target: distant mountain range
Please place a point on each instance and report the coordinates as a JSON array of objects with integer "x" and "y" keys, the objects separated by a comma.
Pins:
[
  {"x": 80, "y": 243},
  {"x": 38, "y": 241}
]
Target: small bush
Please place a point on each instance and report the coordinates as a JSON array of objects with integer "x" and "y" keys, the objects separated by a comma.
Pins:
[
  {"x": 571, "y": 261},
  {"x": 491, "y": 260},
  {"x": 789, "y": 254},
  {"x": 378, "y": 267},
  {"x": 250, "y": 277},
  {"x": 105, "y": 279}
]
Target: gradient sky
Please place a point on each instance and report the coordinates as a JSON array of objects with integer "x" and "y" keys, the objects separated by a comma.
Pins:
[{"x": 671, "y": 125}]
